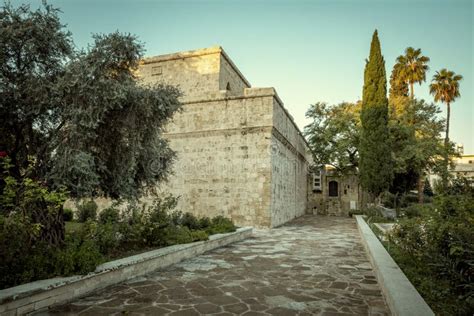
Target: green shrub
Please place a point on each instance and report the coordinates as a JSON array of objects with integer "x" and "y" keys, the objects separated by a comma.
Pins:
[
  {"x": 109, "y": 215},
  {"x": 221, "y": 225},
  {"x": 389, "y": 200},
  {"x": 438, "y": 244},
  {"x": 204, "y": 222},
  {"x": 68, "y": 215},
  {"x": 190, "y": 221},
  {"x": 105, "y": 236},
  {"x": 174, "y": 235},
  {"x": 413, "y": 210},
  {"x": 198, "y": 235},
  {"x": 408, "y": 198},
  {"x": 176, "y": 217},
  {"x": 86, "y": 210},
  {"x": 26, "y": 258}
]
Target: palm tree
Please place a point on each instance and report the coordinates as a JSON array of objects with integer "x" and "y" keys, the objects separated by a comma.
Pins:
[
  {"x": 445, "y": 88},
  {"x": 412, "y": 68}
]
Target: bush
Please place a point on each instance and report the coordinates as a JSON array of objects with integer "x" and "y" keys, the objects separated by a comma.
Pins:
[
  {"x": 109, "y": 215},
  {"x": 198, "y": 235},
  {"x": 221, "y": 225},
  {"x": 26, "y": 258},
  {"x": 86, "y": 210},
  {"x": 174, "y": 235},
  {"x": 389, "y": 200},
  {"x": 190, "y": 221},
  {"x": 438, "y": 245},
  {"x": 68, "y": 215},
  {"x": 411, "y": 211},
  {"x": 204, "y": 222}
]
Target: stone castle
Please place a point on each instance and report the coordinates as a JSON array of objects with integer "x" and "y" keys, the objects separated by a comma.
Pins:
[{"x": 240, "y": 153}]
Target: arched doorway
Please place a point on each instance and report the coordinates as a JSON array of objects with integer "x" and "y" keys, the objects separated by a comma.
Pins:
[{"x": 333, "y": 188}]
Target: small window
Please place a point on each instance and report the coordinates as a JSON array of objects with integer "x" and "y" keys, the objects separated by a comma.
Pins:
[
  {"x": 333, "y": 188},
  {"x": 228, "y": 86},
  {"x": 156, "y": 71}
]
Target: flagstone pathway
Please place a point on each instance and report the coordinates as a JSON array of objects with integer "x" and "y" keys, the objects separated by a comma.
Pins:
[{"x": 312, "y": 266}]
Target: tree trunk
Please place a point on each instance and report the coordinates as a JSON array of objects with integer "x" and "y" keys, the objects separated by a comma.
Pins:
[
  {"x": 446, "y": 139},
  {"x": 412, "y": 90},
  {"x": 446, "y": 146}
]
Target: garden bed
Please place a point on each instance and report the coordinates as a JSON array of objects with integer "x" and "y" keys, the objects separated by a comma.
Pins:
[
  {"x": 401, "y": 295},
  {"x": 39, "y": 295}
]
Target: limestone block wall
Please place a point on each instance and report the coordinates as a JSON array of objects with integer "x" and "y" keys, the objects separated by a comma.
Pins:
[
  {"x": 230, "y": 77},
  {"x": 289, "y": 168},
  {"x": 194, "y": 72},
  {"x": 223, "y": 165},
  {"x": 239, "y": 151},
  {"x": 349, "y": 192}
]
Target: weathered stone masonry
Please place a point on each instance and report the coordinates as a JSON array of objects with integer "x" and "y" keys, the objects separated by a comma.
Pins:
[{"x": 240, "y": 154}]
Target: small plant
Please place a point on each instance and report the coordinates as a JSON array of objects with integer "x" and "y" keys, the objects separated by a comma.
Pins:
[
  {"x": 190, "y": 221},
  {"x": 68, "y": 215},
  {"x": 198, "y": 235},
  {"x": 220, "y": 225},
  {"x": 109, "y": 215},
  {"x": 87, "y": 210},
  {"x": 204, "y": 222}
]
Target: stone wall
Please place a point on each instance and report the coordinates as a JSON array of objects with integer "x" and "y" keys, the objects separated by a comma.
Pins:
[
  {"x": 230, "y": 77},
  {"x": 289, "y": 167},
  {"x": 223, "y": 165},
  {"x": 240, "y": 153},
  {"x": 194, "y": 72},
  {"x": 348, "y": 195}
]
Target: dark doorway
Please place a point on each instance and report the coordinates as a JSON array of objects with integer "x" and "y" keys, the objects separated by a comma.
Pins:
[{"x": 333, "y": 188}]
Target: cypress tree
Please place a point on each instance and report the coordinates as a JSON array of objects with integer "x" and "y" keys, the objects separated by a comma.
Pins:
[{"x": 375, "y": 155}]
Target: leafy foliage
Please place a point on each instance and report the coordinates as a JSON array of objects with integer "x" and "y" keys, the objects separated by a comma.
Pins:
[
  {"x": 82, "y": 120},
  {"x": 109, "y": 215},
  {"x": 334, "y": 135},
  {"x": 398, "y": 87},
  {"x": 87, "y": 210},
  {"x": 410, "y": 68},
  {"x": 434, "y": 246},
  {"x": 415, "y": 132},
  {"x": 110, "y": 142},
  {"x": 375, "y": 164},
  {"x": 33, "y": 52}
]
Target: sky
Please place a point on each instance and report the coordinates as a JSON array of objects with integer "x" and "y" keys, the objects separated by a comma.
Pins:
[{"x": 310, "y": 51}]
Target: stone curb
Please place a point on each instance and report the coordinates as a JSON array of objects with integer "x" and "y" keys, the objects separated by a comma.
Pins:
[
  {"x": 39, "y": 295},
  {"x": 401, "y": 296}
]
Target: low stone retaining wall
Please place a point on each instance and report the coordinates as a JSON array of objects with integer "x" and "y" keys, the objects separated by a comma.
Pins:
[
  {"x": 402, "y": 297},
  {"x": 39, "y": 295}
]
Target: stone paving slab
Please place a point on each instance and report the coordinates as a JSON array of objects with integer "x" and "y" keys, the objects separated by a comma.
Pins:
[{"x": 314, "y": 265}]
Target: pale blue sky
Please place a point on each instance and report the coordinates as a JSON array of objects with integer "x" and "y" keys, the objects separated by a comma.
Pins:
[{"x": 308, "y": 50}]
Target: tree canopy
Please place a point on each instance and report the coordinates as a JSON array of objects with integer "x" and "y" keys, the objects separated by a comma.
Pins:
[
  {"x": 411, "y": 68},
  {"x": 80, "y": 119},
  {"x": 334, "y": 134}
]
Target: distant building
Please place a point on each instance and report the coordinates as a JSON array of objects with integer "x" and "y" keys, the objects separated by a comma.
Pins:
[
  {"x": 463, "y": 167},
  {"x": 334, "y": 194}
]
